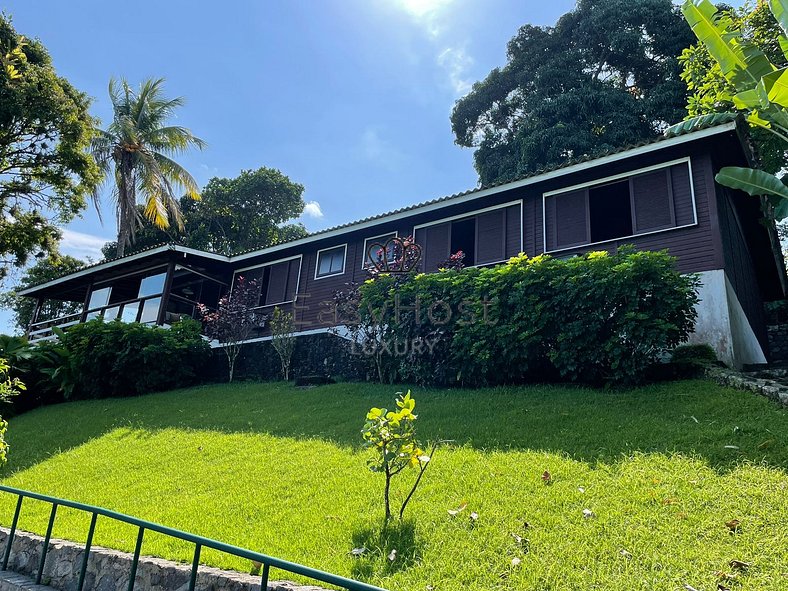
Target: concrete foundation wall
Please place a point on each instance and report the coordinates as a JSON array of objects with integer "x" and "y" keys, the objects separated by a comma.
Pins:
[{"x": 723, "y": 324}]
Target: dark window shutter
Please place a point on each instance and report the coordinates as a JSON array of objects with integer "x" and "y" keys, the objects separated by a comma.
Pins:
[
  {"x": 682, "y": 194},
  {"x": 652, "y": 200},
  {"x": 294, "y": 271},
  {"x": 567, "y": 220},
  {"x": 277, "y": 283},
  {"x": 514, "y": 218},
  {"x": 436, "y": 246},
  {"x": 490, "y": 236}
]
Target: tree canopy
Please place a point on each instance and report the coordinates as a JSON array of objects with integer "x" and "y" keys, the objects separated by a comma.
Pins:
[
  {"x": 46, "y": 172},
  {"x": 606, "y": 75},
  {"x": 43, "y": 270},
  {"x": 234, "y": 214},
  {"x": 136, "y": 152}
]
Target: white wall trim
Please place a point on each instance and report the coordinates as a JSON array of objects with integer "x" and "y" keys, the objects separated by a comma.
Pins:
[{"x": 340, "y": 331}]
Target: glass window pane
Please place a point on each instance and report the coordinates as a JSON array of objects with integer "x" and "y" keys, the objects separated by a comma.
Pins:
[
  {"x": 152, "y": 285},
  {"x": 331, "y": 261},
  {"x": 150, "y": 310},
  {"x": 92, "y": 315},
  {"x": 129, "y": 313},
  {"x": 99, "y": 297},
  {"x": 111, "y": 313},
  {"x": 336, "y": 262},
  {"x": 324, "y": 265}
]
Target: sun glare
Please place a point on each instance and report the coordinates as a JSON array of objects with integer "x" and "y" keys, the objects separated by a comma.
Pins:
[{"x": 420, "y": 8}]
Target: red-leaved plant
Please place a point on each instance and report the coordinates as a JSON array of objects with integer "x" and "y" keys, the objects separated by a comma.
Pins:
[{"x": 235, "y": 320}]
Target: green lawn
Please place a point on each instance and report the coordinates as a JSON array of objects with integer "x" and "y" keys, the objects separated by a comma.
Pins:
[{"x": 281, "y": 470}]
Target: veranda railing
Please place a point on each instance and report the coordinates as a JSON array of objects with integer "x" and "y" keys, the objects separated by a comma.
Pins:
[{"x": 199, "y": 543}]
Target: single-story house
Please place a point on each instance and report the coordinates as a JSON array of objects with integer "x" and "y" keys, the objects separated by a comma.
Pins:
[{"x": 660, "y": 194}]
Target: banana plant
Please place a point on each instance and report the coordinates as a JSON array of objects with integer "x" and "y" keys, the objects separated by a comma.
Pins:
[{"x": 761, "y": 92}]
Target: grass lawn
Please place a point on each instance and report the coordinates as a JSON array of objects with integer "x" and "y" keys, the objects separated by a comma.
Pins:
[{"x": 281, "y": 470}]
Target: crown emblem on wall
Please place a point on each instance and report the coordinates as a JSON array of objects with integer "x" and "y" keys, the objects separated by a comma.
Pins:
[{"x": 396, "y": 255}]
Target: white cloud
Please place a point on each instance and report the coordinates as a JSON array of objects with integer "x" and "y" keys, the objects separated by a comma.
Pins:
[
  {"x": 375, "y": 148},
  {"x": 313, "y": 210},
  {"x": 80, "y": 245},
  {"x": 456, "y": 63},
  {"x": 428, "y": 13}
]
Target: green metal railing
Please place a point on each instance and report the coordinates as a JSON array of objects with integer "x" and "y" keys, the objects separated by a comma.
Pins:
[{"x": 198, "y": 541}]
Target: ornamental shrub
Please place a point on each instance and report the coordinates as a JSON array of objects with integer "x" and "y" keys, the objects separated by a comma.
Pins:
[
  {"x": 592, "y": 319},
  {"x": 104, "y": 359}
]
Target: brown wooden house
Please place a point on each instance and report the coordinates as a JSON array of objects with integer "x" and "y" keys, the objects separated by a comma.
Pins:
[{"x": 658, "y": 195}]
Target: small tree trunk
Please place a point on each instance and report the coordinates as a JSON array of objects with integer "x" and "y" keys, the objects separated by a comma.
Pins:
[{"x": 386, "y": 494}]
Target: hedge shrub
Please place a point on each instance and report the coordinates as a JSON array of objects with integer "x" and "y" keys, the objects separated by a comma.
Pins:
[
  {"x": 592, "y": 319},
  {"x": 104, "y": 359}
]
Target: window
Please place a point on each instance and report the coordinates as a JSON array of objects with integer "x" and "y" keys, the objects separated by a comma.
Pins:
[
  {"x": 99, "y": 298},
  {"x": 330, "y": 261},
  {"x": 150, "y": 311},
  {"x": 152, "y": 285},
  {"x": 277, "y": 282},
  {"x": 657, "y": 198},
  {"x": 463, "y": 238},
  {"x": 486, "y": 237},
  {"x": 376, "y": 255},
  {"x": 610, "y": 211}
]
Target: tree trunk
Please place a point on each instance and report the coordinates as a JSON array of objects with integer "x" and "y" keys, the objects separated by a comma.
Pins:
[{"x": 386, "y": 494}]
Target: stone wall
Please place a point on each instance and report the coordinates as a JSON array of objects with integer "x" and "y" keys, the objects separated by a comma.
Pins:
[
  {"x": 108, "y": 570},
  {"x": 317, "y": 354},
  {"x": 778, "y": 343}
]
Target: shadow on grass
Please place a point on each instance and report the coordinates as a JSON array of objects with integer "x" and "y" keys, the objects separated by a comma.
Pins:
[
  {"x": 385, "y": 551},
  {"x": 724, "y": 427}
]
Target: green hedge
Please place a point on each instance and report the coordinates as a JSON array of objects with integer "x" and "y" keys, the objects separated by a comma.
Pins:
[
  {"x": 100, "y": 360},
  {"x": 593, "y": 319}
]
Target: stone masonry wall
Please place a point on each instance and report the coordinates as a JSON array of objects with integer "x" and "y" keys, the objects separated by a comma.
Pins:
[
  {"x": 108, "y": 570},
  {"x": 778, "y": 343}
]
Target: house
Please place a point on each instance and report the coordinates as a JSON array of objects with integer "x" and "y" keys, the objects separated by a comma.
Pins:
[{"x": 657, "y": 195}]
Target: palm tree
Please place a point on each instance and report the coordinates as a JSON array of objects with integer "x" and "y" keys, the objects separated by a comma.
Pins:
[{"x": 137, "y": 148}]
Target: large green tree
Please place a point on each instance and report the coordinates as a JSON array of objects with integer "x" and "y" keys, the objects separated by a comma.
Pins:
[
  {"x": 234, "y": 214},
  {"x": 606, "y": 75},
  {"x": 136, "y": 152},
  {"x": 43, "y": 270},
  {"x": 46, "y": 172}
]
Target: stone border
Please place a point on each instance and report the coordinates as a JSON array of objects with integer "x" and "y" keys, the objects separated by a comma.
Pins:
[
  {"x": 108, "y": 570},
  {"x": 770, "y": 388}
]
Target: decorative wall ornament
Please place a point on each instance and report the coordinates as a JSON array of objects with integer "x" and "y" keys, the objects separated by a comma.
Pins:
[{"x": 396, "y": 256}]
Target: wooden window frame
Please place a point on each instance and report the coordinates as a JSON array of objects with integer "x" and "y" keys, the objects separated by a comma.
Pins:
[
  {"x": 618, "y": 177},
  {"x": 474, "y": 213},
  {"x": 300, "y": 258},
  {"x": 344, "y": 261}
]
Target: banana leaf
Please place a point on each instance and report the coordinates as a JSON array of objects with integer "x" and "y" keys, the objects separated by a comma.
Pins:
[{"x": 742, "y": 63}]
